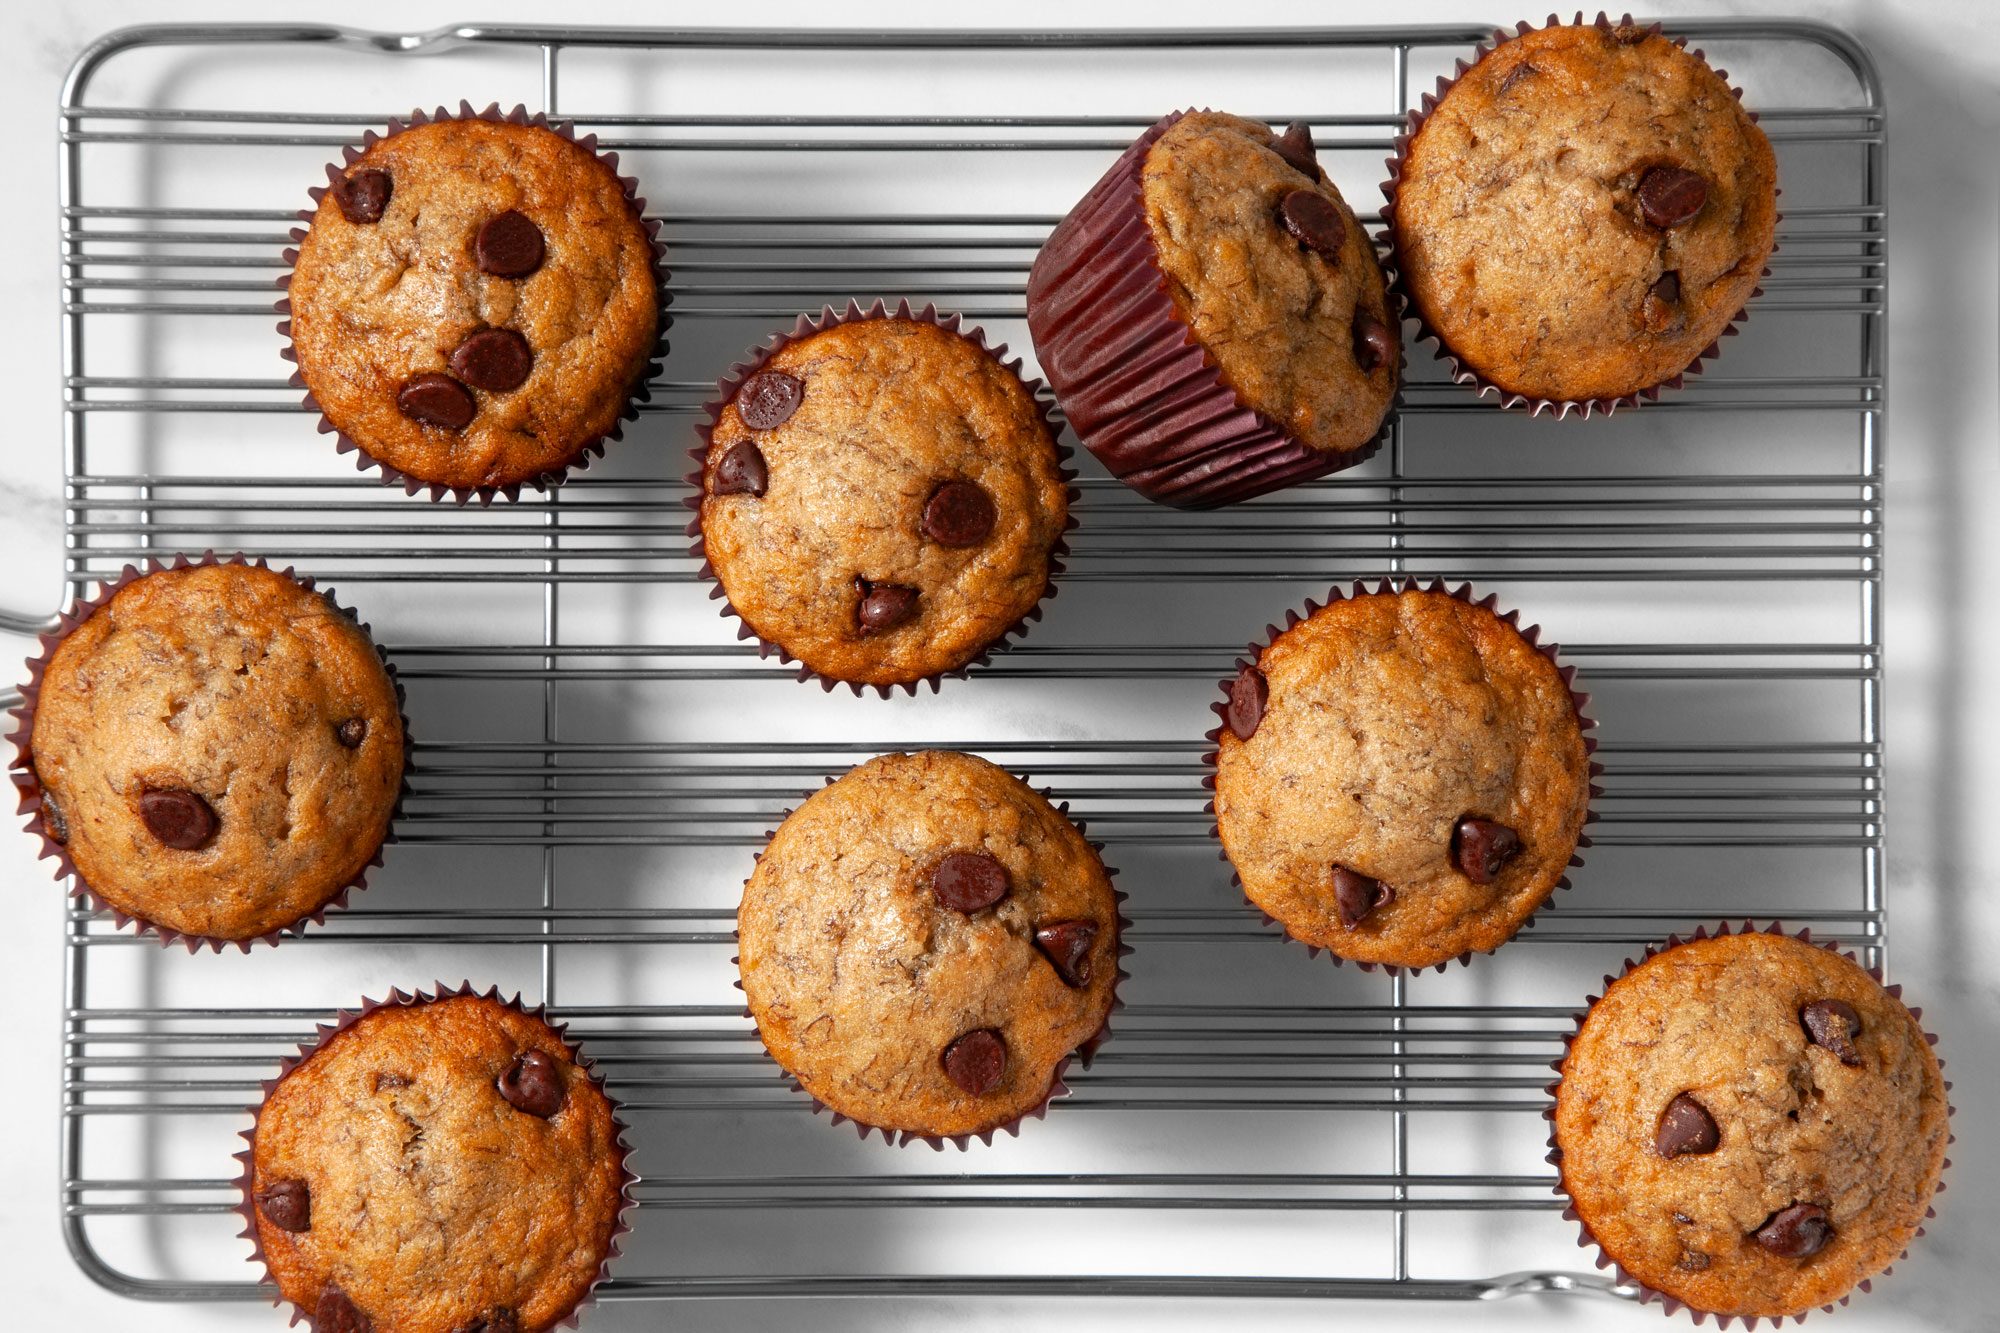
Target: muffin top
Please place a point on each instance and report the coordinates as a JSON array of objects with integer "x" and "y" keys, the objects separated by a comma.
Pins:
[
  {"x": 881, "y": 500},
  {"x": 1401, "y": 778},
  {"x": 219, "y": 750},
  {"x": 1584, "y": 212},
  {"x": 475, "y": 302},
  {"x": 435, "y": 1165},
  {"x": 1751, "y": 1124},
  {"x": 925, "y": 941},
  {"x": 1278, "y": 282}
]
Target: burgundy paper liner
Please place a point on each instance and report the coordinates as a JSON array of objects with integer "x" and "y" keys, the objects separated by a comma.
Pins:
[
  {"x": 1139, "y": 391},
  {"x": 1670, "y": 1305},
  {"x": 1462, "y": 373},
  {"x": 1085, "y": 1051},
  {"x": 343, "y": 1019},
  {"x": 641, "y": 390},
  {"x": 22, "y": 769},
  {"x": 807, "y": 325},
  {"x": 1532, "y": 634}
]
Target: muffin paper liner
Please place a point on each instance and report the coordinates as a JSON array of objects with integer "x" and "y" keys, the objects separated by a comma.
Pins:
[
  {"x": 1462, "y": 373},
  {"x": 1086, "y": 1049},
  {"x": 1670, "y": 1305},
  {"x": 806, "y": 326},
  {"x": 641, "y": 390},
  {"x": 28, "y": 784},
  {"x": 1532, "y": 634},
  {"x": 344, "y": 1019},
  {"x": 1139, "y": 391}
]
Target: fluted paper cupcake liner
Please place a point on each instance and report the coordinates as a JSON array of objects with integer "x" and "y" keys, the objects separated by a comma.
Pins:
[
  {"x": 1586, "y": 1239},
  {"x": 1139, "y": 391},
  {"x": 28, "y": 784},
  {"x": 1459, "y": 371},
  {"x": 344, "y": 1019},
  {"x": 756, "y": 359},
  {"x": 641, "y": 389},
  {"x": 1532, "y": 635}
]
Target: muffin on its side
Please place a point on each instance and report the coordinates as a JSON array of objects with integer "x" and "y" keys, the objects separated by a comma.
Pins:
[
  {"x": 1750, "y": 1124},
  {"x": 925, "y": 943}
]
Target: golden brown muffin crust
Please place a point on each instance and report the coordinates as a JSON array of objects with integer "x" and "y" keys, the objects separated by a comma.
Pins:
[
  {"x": 892, "y": 409},
  {"x": 1719, "y": 1019},
  {"x": 1275, "y": 317},
  {"x": 1390, "y": 717},
  {"x": 435, "y": 1202},
  {"x": 231, "y": 682},
  {"x": 1518, "y": 224},
  {"x": 374, "y": 304},
  {"x": 859, "y": 978}
]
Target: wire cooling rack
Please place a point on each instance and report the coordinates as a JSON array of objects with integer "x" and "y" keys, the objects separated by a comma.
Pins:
[{"x": 596, "y": 758}]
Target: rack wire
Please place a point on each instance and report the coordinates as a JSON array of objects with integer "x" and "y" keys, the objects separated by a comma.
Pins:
[{"x": 595, "y": 759}]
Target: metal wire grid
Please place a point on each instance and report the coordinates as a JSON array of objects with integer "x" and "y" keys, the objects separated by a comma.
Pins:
[{"x": 136, "y": 1069}]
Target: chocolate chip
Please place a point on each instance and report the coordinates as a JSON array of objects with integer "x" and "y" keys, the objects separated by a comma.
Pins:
[
  {"x": 1295, "y": 145},
  {"x": 1667, "y": 288},
  {"x": 1521, "y": 71},
  {"x": 1661, "y": 310},
  {"x": 336, "y": 1314},
  {"x": 508, "y": 246},
  {"x": 1686, "y": 1129},
  {"x": 740, "y": 471},
  {"x": 502, "y": 1320},
  {"x": 533, "y": 1084},
  {"x": 1691, "y": 1261},
  {"x": 883, "y": 606},
  {"x": 1067, "y": 946},
  {"x": 1671, "y": 196},
  {"x": 1797, "y": 1231},
  {"x": 352, "y": 732},
  {"x": 1313, "y": 222},
  {"x": 1356, "y": 896},
  {"x": 363, "y": 196},
  {"x": 969, "y": 881},
  {"x": 179, "y": 819},
  {"x": 1833, "y": 1024},
  {"x": 54, "y": 822},
  {"x": 1374, "y": 345},
  {"x": 286, "y": 1205},
  {"x": 960, "y": 513},
  {"x": 767, "y": 399},
  {"x": 1479, "y": 847},
  {"x": 1683, "y": 1218},
  {"x": 495, "y": 360},
  {"x": 976, "y": 1061},
  {"x": 436, "y": 400},
  {"x": 1248, "y": 694}
]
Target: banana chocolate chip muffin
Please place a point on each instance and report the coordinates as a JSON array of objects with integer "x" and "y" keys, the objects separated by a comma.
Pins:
[
  {"x": 881, "y": 498},
  {"x": 1583, "y": 212},
  {"x": 218, "y": 750},
  {"x": 475, "y": 303},
  {"x": 1401, "y": 777},
  {"x": 926, "y": 942},
  {"x": 1750, "y": 1124},
  {"x": 436, "y": 1166}
]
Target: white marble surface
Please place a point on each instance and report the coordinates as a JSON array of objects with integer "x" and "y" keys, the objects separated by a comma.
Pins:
[{"x": 1941, "y": 63}]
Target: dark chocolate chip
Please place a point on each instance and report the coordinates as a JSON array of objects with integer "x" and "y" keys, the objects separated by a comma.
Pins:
[
  {"x": 533, "y": 1084},
  {"x": 1248, "y": 694},
  {"x": 883, "y": 606},
  {"x": 969, "y": 881},
  {"x": 502, "y": 1320},
  {"x": 179, "y": 819},
  {"x": 1686, "y": 1129},
  {"x": 363, "y": 196},
  {"x": 1374, "y": 345},
  {"x": 352, "y": 732},
  {"x": 1683, "y": 1218},
  {"x": 767, "y": 399},
  {"x": 1479, "y": 847},
  {"x": 286, "y": 1205},
  {"x": 1356, "y": 896},
  {"x": 1796, "y": 1231},
  {"x": 1833, "y": 1024},
  {"x": 336, "y": 1314},
  {"x": 1295, "y": 145},
  {"x": 436, "y": 400},
  {"x": 1671, "y": 196},
  {"x": 509, "y": 246},
  {"x": 1666, "y": 289},
  {"x": 1313, "y": 221},
  {"x": 1692, "y": 1261},
  {"x": 54, "y": 823},
  {"x": 1521, "y": 71},
  {"x": 960, "y": 513},
  {"x": 741, "y": 471},
  {"x": 976, "y": 1061},
  {"x": 496, "y": 360},
  {"x": 1067, "y": 946}
]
